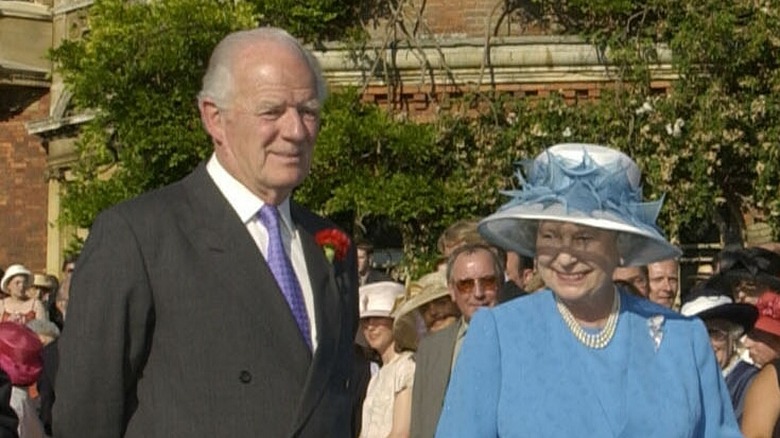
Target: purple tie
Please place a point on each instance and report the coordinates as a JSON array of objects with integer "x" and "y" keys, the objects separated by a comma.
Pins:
[{"x": 283, "y": 271}]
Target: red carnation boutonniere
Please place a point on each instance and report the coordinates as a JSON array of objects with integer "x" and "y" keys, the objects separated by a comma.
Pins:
[{"x": 334, "y": 242}]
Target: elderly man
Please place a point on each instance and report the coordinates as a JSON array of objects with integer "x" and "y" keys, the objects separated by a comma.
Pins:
[
  {"x": 474, "y": 276},
  {"x": 663, "y": 279},
  {"x": 206, "y": 308}
]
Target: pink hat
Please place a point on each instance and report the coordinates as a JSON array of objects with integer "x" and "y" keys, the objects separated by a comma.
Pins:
[
  {"x": 769, "y": 313},
  {"x": 20, "y": 353}
]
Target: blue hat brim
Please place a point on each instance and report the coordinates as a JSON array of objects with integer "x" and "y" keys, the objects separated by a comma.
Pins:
[{"x": 514, "y": 229}]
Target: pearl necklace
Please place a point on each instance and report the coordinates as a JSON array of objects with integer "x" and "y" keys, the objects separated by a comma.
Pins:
[{"x": 592, "y": 340}]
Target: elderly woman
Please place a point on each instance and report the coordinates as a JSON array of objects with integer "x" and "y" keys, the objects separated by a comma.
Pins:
[
  {"x": 726, "y": 322},
  {"x": 583, "y": 358}
]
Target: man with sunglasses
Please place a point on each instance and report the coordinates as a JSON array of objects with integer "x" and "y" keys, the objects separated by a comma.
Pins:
[{"x": 474, "y": 277}]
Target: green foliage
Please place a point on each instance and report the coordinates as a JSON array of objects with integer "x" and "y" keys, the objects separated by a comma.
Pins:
[
  {"x": 130, "y": 71},
  {"x": 728, "y": 54},
  {"x": 310, "y": 20},
  {"x": 370, "y": 167},
  {"x": 712, "y": 139},
  {"x": 139, "y": 70}
]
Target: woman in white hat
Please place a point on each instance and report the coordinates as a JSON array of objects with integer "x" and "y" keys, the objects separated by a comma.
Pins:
[
  {"x": 581, "y": 357},
  {"x": 726, "y": 322},
  {"x": 387, "y": 407},
  {"x": 18, "y": 306}
]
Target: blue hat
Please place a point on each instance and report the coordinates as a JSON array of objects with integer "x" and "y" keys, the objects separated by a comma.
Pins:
[{"x": 587, "y": 185}]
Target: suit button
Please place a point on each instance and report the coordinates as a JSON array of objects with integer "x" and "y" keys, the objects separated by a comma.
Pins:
[{"x": 245, "y": 377}]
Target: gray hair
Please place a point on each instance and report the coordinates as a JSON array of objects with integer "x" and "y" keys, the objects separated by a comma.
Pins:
[
  {"x": 471, "y": 248},
  {"x": 218, "y": 82}
]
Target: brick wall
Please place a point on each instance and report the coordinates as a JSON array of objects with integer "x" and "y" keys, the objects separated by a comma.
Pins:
[
  {"x": 472, "y": 18},
  {"x": 23, "y": 188},
  {"x": 422, "y": 102}
]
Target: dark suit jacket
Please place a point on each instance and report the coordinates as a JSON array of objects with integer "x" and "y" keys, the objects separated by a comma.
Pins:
[
  {"x": 375, "y": 276},
  {"x": 177, "y": 328},
  {"x": 509, "y": 291},
  {"x": 431, "y": 377},
  {"x": 8, "y": 420},
  {"x": 46, "y": 381}
]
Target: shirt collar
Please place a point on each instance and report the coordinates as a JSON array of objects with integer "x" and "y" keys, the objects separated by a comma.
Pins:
[
  {"x": 245, "y": 203},
  {"x": 463, "y": 327}
]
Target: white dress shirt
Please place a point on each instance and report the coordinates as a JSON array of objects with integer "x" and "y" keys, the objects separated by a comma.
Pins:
[{"x": 247, "y": 206}]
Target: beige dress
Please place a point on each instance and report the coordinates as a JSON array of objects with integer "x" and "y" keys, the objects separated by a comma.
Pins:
[{"x": 391, "y": 379}]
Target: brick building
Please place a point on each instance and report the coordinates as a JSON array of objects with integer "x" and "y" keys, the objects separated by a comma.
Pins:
[{"x": 25, "y": 35}]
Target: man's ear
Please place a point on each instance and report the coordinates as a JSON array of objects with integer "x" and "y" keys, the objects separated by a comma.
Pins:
[
  {"x": 212, "y": 118},
  {"x": 527, "y": 275}
]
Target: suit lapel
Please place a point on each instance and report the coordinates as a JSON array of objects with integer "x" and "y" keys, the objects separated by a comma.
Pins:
[
  {"x": 327, "y": 304},
  {"x": 244, "y": 276},
  {"x": 240, "y": 269},
  {"x": 442, "y": 362}
]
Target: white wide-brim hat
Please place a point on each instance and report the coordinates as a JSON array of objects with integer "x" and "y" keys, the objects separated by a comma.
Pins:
[
  {"x": 378, "y": 299},
  {"x": 708, "y": 307},
  {"x": 584, "y": 184},
  {"x": 12, "y": 272}
]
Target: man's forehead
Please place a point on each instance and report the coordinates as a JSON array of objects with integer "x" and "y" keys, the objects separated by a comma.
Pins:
[
  {"x": 665, "y": 266},
  {"x": 479, "y": 259}
]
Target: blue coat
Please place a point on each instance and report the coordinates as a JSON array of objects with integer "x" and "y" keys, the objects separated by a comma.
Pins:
[{"x": 522, "y": 373}]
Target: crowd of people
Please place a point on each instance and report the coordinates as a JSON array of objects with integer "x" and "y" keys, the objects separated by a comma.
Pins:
[
  {"x": 33, "y": 314},
  {"x": 600, "y": 338},
  {"x": 218, "y": 306}
]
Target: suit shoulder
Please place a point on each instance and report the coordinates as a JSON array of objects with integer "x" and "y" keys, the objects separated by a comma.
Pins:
[
  {"x": 310, "y": 219},
  {"x": 448, "y": 333},
  {"x": 152, "y": 202},
  {"x": 151, "y": 205}
]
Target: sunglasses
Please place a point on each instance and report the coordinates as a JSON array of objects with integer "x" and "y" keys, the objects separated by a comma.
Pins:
[{"x": 469, "y": 285}]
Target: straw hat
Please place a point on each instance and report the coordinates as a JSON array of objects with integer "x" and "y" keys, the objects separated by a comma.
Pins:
[
  {"x": 703, "y": 272},
  {"x": 407, "y": 324},
  {"x": 12, "y": 272},
  {"x": 428, "y": 288},
  {"x": 43, "y": 281},
  {"x": 583, "y": 184}
]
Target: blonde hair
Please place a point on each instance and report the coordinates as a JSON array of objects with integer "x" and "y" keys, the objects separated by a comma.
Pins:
[{"x": 459, "y": 233}]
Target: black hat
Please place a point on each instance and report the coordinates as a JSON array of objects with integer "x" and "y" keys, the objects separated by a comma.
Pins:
[
  {"x": 755, "y": 264},
  {"x": 707, "y": 303}
]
